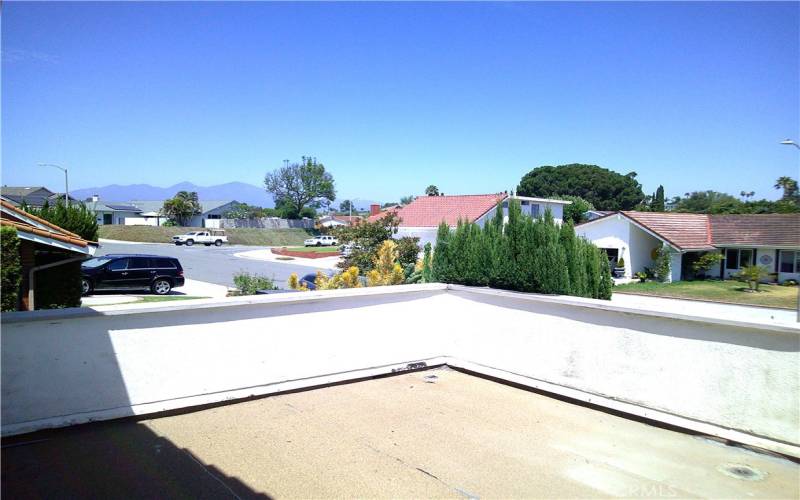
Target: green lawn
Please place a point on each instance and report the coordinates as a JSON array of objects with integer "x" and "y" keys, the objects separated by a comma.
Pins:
[
  {"x": 333, "y": 249},
  {"x": 718, "y": 291},
  {"x": 241, "y": 236}
]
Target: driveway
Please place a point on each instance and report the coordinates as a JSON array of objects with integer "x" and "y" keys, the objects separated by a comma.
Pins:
[
  {"x": 215, "y": 265},
  {"x": 192, "y": 288}
]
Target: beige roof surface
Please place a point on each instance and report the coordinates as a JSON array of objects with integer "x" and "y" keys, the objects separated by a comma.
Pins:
[{"x": 436, "y": 433}]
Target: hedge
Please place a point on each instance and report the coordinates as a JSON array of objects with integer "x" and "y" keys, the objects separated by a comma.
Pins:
[
  {"x": 10, "y": 268},
  {"x": 524, "y": 254}
]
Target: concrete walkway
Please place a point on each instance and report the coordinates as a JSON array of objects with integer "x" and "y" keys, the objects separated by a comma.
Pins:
[
  {"x": 707, "y": 309},
  {"x": 265, "y": 254}
]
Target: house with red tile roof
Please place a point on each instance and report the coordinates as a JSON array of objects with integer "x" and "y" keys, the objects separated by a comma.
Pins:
[
  {"x": 768, "y": 240},
  {"x": 421, "y": 217},
  {"x": 43, "y": 245}
]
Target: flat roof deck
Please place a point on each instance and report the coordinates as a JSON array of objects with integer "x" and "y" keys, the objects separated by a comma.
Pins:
[{"x": 435, "y": 433}]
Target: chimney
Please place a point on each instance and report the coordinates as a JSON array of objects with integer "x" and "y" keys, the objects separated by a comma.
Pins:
[
  {"x": 95, "y": 198},
  {"x": 374, "y": 209}
]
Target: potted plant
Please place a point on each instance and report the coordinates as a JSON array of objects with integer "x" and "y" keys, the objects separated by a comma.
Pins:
[
  {"x": 641, "y": 276},
  {"x": 619, "y": 269}
]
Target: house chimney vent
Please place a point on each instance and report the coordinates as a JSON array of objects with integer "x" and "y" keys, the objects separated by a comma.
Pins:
[{"x": 374, "y": 209}]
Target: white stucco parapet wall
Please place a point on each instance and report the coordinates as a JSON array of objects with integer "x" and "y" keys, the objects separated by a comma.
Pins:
[{"x": 729, "y": 377}]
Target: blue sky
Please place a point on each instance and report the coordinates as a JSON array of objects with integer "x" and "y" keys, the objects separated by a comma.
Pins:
[{"x": 393, "y": 97}]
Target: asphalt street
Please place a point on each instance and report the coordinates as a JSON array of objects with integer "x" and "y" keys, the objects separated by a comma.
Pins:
[{"x": 212, "y": 264}]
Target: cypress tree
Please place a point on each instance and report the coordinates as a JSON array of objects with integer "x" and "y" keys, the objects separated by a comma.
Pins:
[
  {"x": 606, "y": 283},
  {"x": 592, "y": 260},
  {"x": 575, "y": 260},
  {"x": 427, "y": 273},
  {"x": 442, "y": 263}
]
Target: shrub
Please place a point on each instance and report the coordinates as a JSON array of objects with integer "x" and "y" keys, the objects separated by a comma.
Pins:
[
  {"x": 369, "y": 236},
  {"x": 346, "y": 279},
  {"x": 753, "y": 275},
  {"x": 524, "y": 254},
  {"x": 407, "y": 250},
  {"x": 295, "y": 284},
  {"x": 249, "y": 284},
  {"x": 386, "y": 270},
  {"x": 662, "y": 265},
  {"x": 427, "y": 273},
  {"x": 706, "y": 262},
  {"x": 606, "y": 283},
  {"x": 75, "y": 218},
  {"x": 10, "y": 268}
]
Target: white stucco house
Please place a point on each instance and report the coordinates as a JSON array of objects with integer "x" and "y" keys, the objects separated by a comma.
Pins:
[
  {"x": 421, "y": 218},
  {"x": 334, "y": 220},
  {"x": 769, "y": 240}
]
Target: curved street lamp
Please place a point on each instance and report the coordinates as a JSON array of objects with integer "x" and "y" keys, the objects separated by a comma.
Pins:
[
  {"x": 66, "y": 180},
  {"x": 789, "y": 142}
]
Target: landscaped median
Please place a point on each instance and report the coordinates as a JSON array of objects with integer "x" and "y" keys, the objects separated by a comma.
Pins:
[
  {"x": 728, "y": 291},
  {"x": 307, "y": 252},
  {"x": 236, "y": 236}
]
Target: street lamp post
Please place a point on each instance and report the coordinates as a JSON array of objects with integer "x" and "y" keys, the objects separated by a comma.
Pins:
[
  {"x": 789, "y": 142},
  {"x": 66, "y": 180}
]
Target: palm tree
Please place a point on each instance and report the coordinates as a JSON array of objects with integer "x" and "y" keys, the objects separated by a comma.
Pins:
[{"x": 788, "y": 185}]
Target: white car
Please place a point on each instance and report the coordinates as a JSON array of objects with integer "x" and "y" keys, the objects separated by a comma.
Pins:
[
  {"x": 214, "y": 237},
  {"x": 321, "y": 241}
]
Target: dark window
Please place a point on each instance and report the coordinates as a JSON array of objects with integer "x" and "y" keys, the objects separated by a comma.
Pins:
[
  {"x": 165, "y": 264},
  {"x": 788, "y": 261},
  {"x": 534, "y": 210},
  {"x": 139, "y": 263},
  {"x": 732, "y": 259},
  {"x": 745, "y": 258},
  {"x": 214, "y": 216},
  {"x": 118, "y": 265}
]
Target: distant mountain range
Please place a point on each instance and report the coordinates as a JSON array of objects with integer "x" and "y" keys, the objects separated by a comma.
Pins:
[{"x": 239, "y": 191}]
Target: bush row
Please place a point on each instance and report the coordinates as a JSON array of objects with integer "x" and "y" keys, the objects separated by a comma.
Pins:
[{"x": 526, "y": 255}]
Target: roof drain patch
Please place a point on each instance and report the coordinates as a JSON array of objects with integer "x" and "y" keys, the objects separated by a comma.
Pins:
[
  {"x": 411, "y": 366},
  {"x": 743, "y": 472}
]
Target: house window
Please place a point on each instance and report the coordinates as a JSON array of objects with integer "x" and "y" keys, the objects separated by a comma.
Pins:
[
  {"x": 214, "y": 216},
  {"x": 534, "y": 210},
  {"x": 790, "y": 261},
  {"x": 737, "y": 259}
]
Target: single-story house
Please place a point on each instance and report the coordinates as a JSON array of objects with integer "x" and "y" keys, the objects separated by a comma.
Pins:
[
  {"x": 111, "y": 212},
  {"x": 334, "y": 220},
  {"x": 34, "y": 196},
  {"x": 769, "y": 240},
  {"x": 209, "y": 210},
  {"x": 43, "y": 245},
  {"x": 421, "y": 217}
]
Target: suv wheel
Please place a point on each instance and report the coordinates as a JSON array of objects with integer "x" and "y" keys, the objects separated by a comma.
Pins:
[
  {"x": 319, "y": 243},
  {"x": 86, "y": 286},
  {"x": 218, "y": 243},
  {"x": 189, "y": 243},
  {"x": 161, "y": 287}
]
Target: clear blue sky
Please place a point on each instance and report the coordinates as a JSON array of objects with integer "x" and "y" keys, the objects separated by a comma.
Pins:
[{"x": 393, "y": 97}]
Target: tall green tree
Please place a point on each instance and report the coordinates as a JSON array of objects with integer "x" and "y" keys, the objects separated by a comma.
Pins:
[
  {"x": 182, "y": 207},
  {"x": 604, "y": 189},
  {"x": 658, "y": 204},
  {"x": 300, "y": 185},
  {"x": 575, "y": 211},
  {"x": 405, "y": 200},
  {"x": 75, "y": 218},
  {"x": 788, "y": 185},
  {"x": 345, "y": 206}
]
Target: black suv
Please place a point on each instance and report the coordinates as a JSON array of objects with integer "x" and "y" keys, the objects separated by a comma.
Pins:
[{"x": 130, "y": 271}]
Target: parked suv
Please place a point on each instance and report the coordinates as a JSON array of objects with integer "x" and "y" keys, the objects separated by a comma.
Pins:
[
  {"x": 131, "y": 272},
  {"x": 319, "y": 241}
]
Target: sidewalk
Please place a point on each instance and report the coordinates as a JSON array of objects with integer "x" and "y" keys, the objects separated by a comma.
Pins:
[{"x": 267, "y": 255}]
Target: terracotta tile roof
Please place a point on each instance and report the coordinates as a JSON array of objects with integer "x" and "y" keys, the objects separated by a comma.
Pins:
[
  {"x": 384, "y": 212},
  {"x": 25, "y": 214},
  {"x": 430, "y": 211},
  {"x": 706, "y": 232},
  {"x": 780, "y": 230},
  {"x": 27, "y": 228},
  {"x": 683, "y": 231}
]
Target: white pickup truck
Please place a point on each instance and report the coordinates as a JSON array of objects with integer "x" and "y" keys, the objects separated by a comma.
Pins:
[{"x": 213, "y": 237}]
